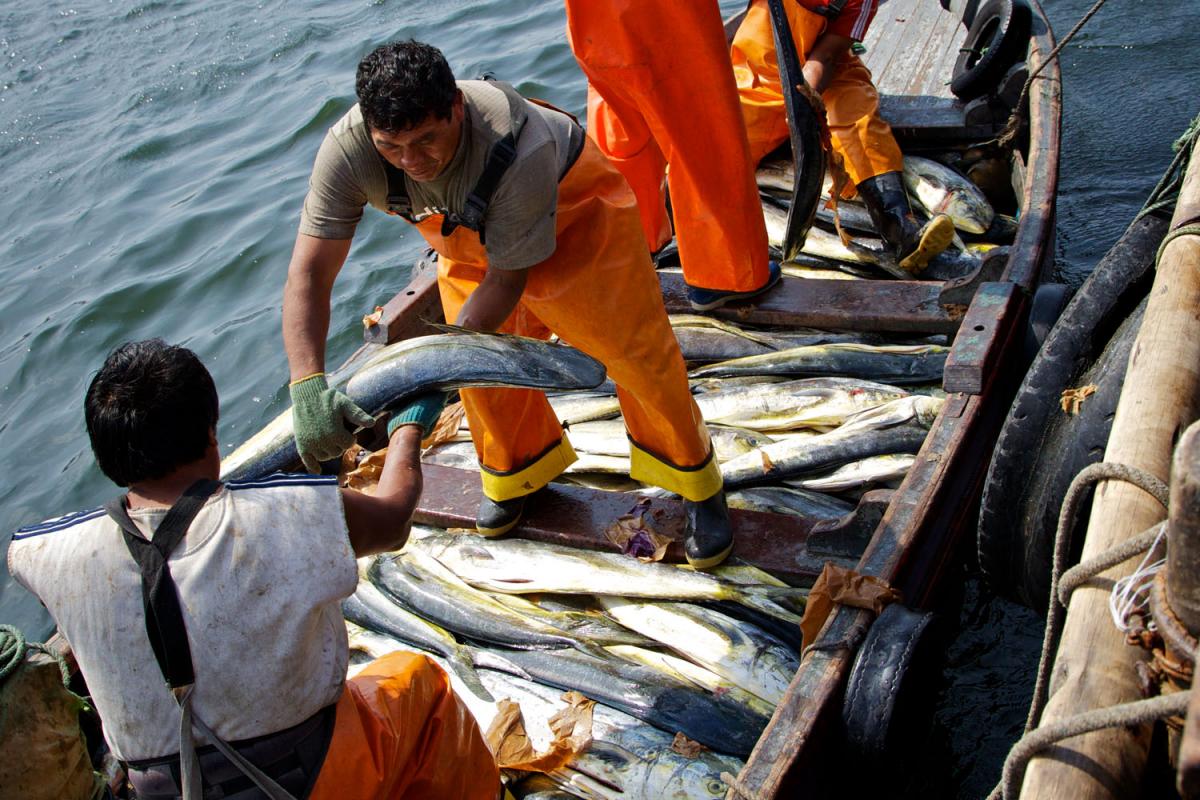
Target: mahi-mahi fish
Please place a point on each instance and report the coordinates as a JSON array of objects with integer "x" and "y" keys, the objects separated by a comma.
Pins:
[
  {"x": 442, "y": 361},
  {"x": 520, "y": 566},
  {"x": 426, "y": 587},
  {"x": 804, "y": 402},
  {"x": 942, "y": 190},
  {"x": 745, "y": 655},
  {"x": 888, "y": 363},
  {"x": 899, "y": 426}
]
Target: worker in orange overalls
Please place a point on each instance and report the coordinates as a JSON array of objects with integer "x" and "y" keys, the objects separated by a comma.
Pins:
[
  {"x": 652, "y": 103},
  {"x": 536, "y": 233},
  {"x": 823, "y": 31}
]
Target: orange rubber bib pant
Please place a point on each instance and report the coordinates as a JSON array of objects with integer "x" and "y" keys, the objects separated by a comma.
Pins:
[
  {"x": 858, "y": 133},
  {"x": 599, "y": 293},
  {"x": 651, "y": 103},
  {"x": 402, "y": 732}
]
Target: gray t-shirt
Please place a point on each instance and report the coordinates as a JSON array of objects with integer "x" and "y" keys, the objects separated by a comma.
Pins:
[{"x": 520, "y": 221}]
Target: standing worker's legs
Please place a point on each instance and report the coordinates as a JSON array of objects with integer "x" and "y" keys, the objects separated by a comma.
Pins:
[
  {"x": 618, "y": 129},
  {"x": 649, "y": 86},
  {"x": 859, "y": 135},
  {"x": 875, "y": 164},
  {"x": 518, "y": 439},
  {"x": 402, "y": 732},
  {"x": 599, "y": 292}
]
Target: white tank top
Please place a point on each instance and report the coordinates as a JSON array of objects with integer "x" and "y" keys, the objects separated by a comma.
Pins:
[{"x": 261, "y": 573}]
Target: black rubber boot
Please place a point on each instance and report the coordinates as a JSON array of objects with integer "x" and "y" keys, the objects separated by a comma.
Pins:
[
  {"x": 498, "y": 517},
  {"x": 707, "y": 532},
  {"x": 913, "y": 243}
]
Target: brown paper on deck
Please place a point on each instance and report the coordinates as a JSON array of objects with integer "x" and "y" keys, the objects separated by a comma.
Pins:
[
  {"x": 836, "y": 585},
  {"x": 447, "y": 425},
  {"x": 635, "y": 535},
  {"x": 509, "y": 742}
]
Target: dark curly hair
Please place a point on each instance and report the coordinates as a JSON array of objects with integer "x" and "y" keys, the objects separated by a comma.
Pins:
[
  {"x": 400, "y": 84},
  {"x": 149, "y": 410}
]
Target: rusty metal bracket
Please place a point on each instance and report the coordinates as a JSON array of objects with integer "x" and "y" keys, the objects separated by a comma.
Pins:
[
  {"x": 849, "y": 534},
  {"x": 960, "y": 291}
]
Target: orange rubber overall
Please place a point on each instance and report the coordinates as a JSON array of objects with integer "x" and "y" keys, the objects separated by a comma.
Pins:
[
  {"x": 653, "y": 103},
  {"x": 402, "y": 732},
  {"x": 858, "y": 133},
  {"x": 599, "y": 293}
]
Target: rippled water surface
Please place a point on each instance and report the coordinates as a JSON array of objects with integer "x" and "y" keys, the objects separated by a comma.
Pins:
[{"x": 154, "y": 156}]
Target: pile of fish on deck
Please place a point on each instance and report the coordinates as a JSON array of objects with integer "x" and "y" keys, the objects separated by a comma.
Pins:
[{"x": 802, "y": 421}]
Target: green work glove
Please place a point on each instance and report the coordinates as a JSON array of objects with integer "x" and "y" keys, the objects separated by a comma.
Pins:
[
  {"x": 319, "y": 416},
  {"x": 422, "y": 410}
]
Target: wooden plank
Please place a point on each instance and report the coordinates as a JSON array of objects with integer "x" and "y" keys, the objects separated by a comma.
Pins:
[
  {"x": 578, "y": 517},
  {"x": 1033, "y": 246},
  {"x": 410, "y": 311},
  {"x": 973, "y": 358},
  {"x": 912, "y": 550},
  {"x": 885, "y": 36},
  {"x": 902, "y": 306},
  {"x": 1093, "y": 667},
  {"x": 914, "y": 52}
]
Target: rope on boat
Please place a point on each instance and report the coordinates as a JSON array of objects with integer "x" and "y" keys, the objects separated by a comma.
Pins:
[
  {"x": 1061, "y": 586},
  {"x": 1138, "y": 712},
  {"x": 1182, "y": 230},
  {"x": 1013, "y": 125},
  {"x": 1166, "y": 192},
  {"x": 13, "y": 649}
]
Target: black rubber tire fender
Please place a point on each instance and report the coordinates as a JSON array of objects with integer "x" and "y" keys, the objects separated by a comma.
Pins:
[
  {"x": 1049, "y": 300},
  {"x": 884, "y": 691},
  {"x": 1117, "y": 284},
  {"x": 997, "y": 39},
  {"x": 1073, "y": 441}
]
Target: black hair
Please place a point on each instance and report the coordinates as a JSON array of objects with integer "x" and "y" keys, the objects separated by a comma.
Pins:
[
  {"x": 149, "y": 410},
  {"x": 400, "y": 84}
]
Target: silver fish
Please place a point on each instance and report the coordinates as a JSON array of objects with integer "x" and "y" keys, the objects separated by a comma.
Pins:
[
  {"x": 856, "y": 474},
  {"x": 891, "y": 363},
  {"x": 792, "y": 404},
  {"x": 899, "y": 426},
  {"x": 442, "y": 361},
  {"x": 521, "y": 566},
  {"x": 741, "y": 653},
  {"x": 942, "y": 190},
  {"x": 789, "y": 500},
  {"x": 426, "y": 587}
]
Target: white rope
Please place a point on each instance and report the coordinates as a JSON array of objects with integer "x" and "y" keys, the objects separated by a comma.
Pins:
[{"x": 1131, "y": 594}]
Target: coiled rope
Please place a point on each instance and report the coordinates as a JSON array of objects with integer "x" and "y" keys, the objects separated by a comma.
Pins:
[
  {"x": 13, "y": 649},
  {"x": 1013, "y": 125},
  {"x": 1128, "y": 714},
  {"x": 1166, "y": 193}
]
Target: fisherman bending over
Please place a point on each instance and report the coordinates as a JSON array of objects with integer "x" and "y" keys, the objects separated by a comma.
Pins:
[
  {"x": 244, "y": 620},
  {"x": 536, "y": 233},
  {"x": 823, "y": 31}
]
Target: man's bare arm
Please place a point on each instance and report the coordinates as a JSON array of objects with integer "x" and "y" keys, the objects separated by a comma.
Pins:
[
  {"x": 821, "y": 60},
  {"x": 493, "y": 300},
  {"x": 314, "y": 266},
  {"x": 380, "y": 522}
]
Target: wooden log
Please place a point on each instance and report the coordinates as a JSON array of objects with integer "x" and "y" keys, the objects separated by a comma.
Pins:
[
  {"x": 1094, "y": 667},
  {"x": 1187, "y": 779},
  {"x": 1183, "y": 532}
]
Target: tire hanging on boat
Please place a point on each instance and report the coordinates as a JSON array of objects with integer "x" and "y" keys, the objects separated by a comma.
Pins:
[
  {"x": 1009, "y": 552},
  {"x": 997, "y": 39}
]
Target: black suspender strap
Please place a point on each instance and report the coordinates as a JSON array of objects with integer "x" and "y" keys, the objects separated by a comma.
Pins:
[
  {"x": 499, "y": 159},
  {"x": 831, "y": 10},
  {"x": 160, "y": 597},
  {"x": 398, "y": 201}
]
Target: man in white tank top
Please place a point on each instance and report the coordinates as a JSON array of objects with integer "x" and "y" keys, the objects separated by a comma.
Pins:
[{"x": 260, "y": 574}]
